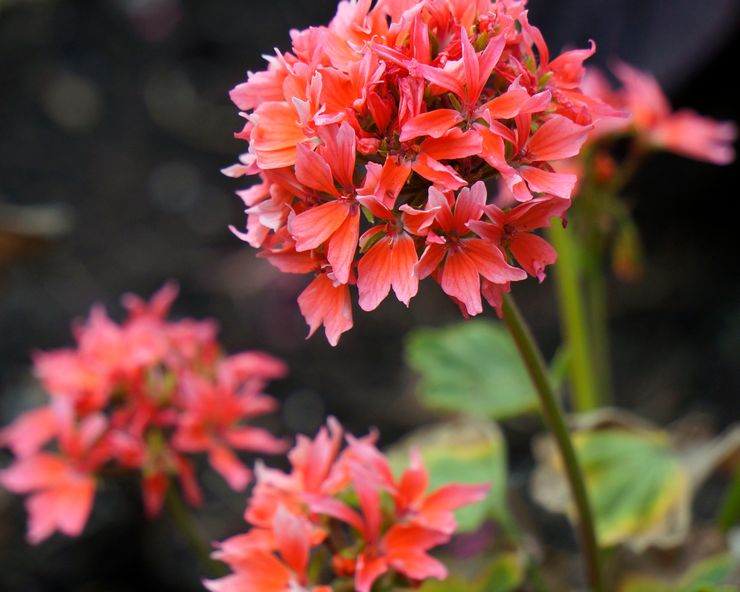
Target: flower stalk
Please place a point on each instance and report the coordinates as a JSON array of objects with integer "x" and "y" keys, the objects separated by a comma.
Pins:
[
  {"x": 574, "y": 322},
  {"x": 555, "y": 421}
]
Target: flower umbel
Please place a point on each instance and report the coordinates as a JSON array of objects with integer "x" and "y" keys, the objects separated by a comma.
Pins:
[
  {"x": 369, "y": 132},
  {"x": 144, "y": 396},
  {"x": 341, "y": 517}
]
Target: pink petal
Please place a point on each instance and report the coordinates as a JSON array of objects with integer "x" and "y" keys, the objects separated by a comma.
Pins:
[
  {"x": 340, "y": 151},
  {"x": 368, "y": 569},
  {"x": 490, "y": 262},
  {"x": 374, "y": 274},
  {"x": 313, "y": 171},
  {"x": 225, "y": 462},
  {"x": 453, "y": 145},
  {"x": 323, "y": 303},
  {"x": 460, "y": 280},
  {"x": 292, "y": 538},
  {"x": 560, "y": 184},
  {"x": 404, "y": 281},
  {"x": 533, "y": 253},
  {"x": 434, "y": 124},
  {"x": 343, "y": 245},
  {"x": 557, "y": 138},
  {"x": 469, "y": 206},
  {"x": 436, "y": 172},
  {"x": 312, "y": 228},
  {"x": 430, "y": 260}
]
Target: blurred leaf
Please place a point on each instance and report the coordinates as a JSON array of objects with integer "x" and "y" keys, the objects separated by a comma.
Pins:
[
  {"x": 504, "y": 573},
  {"x": 471, "y": 367},
  {"x": 710, "y": 575},
  {"x": 465, "y": 451},
  {"x": 640, "y": 485}
]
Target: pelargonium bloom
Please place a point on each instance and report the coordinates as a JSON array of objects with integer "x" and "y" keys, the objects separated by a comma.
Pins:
[
  {"x": 651, "y": 117},
  {"x": 350, "y": 505},
  {"x": 145, "y": 395},
  {"x": 360, "y": 127}
]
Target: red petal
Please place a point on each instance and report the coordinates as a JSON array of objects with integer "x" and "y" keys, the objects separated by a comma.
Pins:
[
  {"x": 533, "y": 253},
  {"x": 559, "y": 184},
  {"x": 313, "y": 171},
  {"x": 434, "y": 124},
  {"x": 436, "y": 172},
  {"x": 454, "y": 144},
  {"x": 404, "y": 281},
  {"x": 374, "y": 274},
  {"x": 557, "y": 138},
  {"x": 313, "y": 227},
  {"x": 343, "y": 246},
  {"x": 490, "y": 262},
  {"x": 460, "y": 280}
]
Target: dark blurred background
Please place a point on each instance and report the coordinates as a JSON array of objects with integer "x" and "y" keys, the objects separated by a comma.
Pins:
[{"x": 117, "y": 111}]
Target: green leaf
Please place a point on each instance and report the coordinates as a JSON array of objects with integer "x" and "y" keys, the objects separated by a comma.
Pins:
[
  {"x": 466, "y": 451},
  {"x": 471, "y": 367},
  {"x": 709, "y": 575}
]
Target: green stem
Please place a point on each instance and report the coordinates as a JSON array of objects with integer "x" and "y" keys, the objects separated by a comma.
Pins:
[
  {"x": 729, "y": 514},
  {"x": 555, "y": 421},
  {"x": 185, "y": 524},
  {"x": 598, "y": 321},
  {"x": 573, "y": 320}
]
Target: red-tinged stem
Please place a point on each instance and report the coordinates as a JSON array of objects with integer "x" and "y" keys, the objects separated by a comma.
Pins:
[{"x": 555, "y": 421}]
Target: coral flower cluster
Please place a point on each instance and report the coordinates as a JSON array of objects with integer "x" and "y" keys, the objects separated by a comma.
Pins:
[
  {"x": 146, "y": 395},
  {"x": 339, "y": 519},
  {"x": 372, "y": 138}
]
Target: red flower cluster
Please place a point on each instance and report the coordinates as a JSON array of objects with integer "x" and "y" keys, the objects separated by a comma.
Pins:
[
  {"x": 374, "y": 123},
  {"x": 341, "y": 517},
  {"x": 145, "y": 396},
  {"x": 656, "y": 125}
]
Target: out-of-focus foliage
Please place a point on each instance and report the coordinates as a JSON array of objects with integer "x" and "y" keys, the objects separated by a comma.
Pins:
[
  {"x": 715, "y": 574},
  {"x": 504, "y": 573},
  {"x": 463, "y": 451},
  {"x": 640, "y": 483},
  {"x": 471, "y": 367}
]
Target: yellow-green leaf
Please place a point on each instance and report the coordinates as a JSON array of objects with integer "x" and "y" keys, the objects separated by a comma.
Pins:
[{"x": 636, "y": 483}]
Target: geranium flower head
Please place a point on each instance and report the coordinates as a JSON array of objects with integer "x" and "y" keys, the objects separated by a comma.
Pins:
[
  {"x": 358, "y": 128},
  {"x": 144, "y": 395},
  {"x": 347, "y": 506}
]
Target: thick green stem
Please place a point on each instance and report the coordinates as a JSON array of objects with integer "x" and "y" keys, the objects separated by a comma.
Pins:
[
  {"x": 729, "y": 514},
  {"x": 555, "y": 421},
  {"x": 184, "y": 523},
  {"x": 573, "y": 319}
]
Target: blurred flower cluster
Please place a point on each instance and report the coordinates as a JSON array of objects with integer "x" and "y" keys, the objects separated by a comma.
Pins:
[
  {"x": 652, "y": 120},
  {"x": 341, "y": 518},
  {"x": 145, "y": 395},
  {"x": 364, "y": 131}
]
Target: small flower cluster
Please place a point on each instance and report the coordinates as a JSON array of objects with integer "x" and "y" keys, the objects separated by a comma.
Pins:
[
  {"x": 652, "y": 120},
  {"x": 145, "y": 396},
  {"x": 341, "y": 518},
  {"x": 370, "y": 137}
]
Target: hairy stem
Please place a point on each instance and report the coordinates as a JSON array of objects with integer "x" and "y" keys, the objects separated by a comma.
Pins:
[{"x": 555, "y": 421}]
